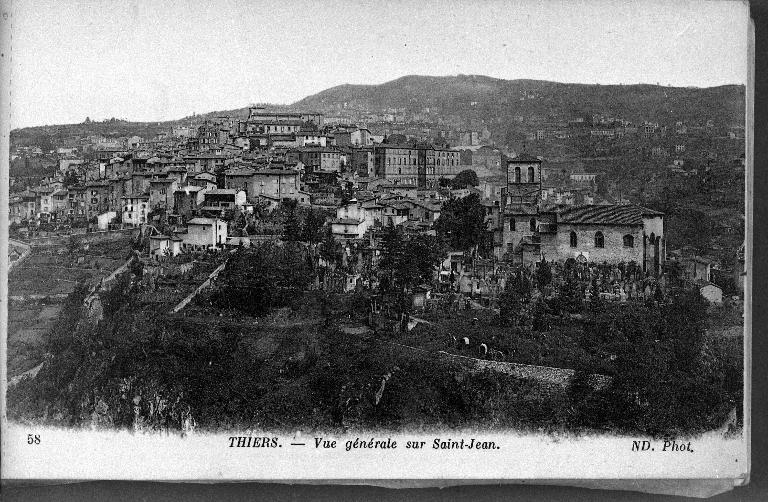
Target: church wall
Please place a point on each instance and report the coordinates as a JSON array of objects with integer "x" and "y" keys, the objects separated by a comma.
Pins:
[
  {"x": 522, "y": 229},
  {"x": 557, "y": 246}
]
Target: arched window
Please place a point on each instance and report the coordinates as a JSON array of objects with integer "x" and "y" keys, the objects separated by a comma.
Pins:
[
  {"x": 533, "y": 224},
  {"x": 517, "y": 174},
  {"x": 573, "y": 239},
  {"x": 599, "y": 240},
  {"x": 512, "y": 224},
  {"x": 531, "y": 174},
  {"x": 629, "y": 241}
]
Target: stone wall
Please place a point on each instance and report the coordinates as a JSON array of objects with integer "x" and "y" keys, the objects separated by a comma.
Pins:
[{"x": 558, "y": 246}]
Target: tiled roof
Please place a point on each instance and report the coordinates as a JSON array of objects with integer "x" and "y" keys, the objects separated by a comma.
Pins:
[{"x": 622, "y": 214}]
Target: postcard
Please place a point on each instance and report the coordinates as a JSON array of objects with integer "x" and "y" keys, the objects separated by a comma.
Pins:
[{"x": 402, "y": 244}]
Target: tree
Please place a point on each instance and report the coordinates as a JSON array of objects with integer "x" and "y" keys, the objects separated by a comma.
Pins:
[
  {"x": 71, "y": 178},
  {"x": 406, "y": 262},
  {"x": 391, "y": 255},
  {"x": 329, "y": 249},
  {"x": 312, "y": 229},
  {"x": 570, "y": 298},
  {"x": 512, "y": 302},
  {"x": 291, "y": 227},
  {"x": 424, "y": 252},
  {"x": 262, "y": 277},
  {"x": 465, "y": 178},
  {"x": 543, "y": 274},
  {"x": 462, "y": 222}
]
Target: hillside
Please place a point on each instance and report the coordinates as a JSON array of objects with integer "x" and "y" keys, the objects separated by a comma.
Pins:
[
  {"x": 495, "y": 101},
  {"x": 475, "y": 96}
]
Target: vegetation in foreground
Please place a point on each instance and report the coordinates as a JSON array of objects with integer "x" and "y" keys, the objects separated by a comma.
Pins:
[{"x": 284, "y": 363}]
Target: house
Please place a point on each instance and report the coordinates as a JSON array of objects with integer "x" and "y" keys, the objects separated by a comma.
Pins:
[
  {"x": 395, "y": 212},
  {"x": 353, "y": 220},
  {"x": 205, "y": 180},
  {"x": 204, "y": 233},
  {"x": 163, "y": 245},
  {"x": 98, "y": 198},
  {"x": 60, "y": 203},
  {"x": 22, "y": 207},
  {"x": 161, "y": 192},
  {"x": 317, "y": 158},
  {"x": 104, "y": 219},
  {"x": 223, "y": 198},
  {"x": 697, "y": 268},
  {"x": 306, "y": 138},
  {"x": 282, "y": 184},
  {"x": 135, "y": 209},
  {"x": 76, "y": 199},
  {"x": 44, "y": 201},
  {"x": 348, "y": 228},
  {"x": 188, "y": 199}
]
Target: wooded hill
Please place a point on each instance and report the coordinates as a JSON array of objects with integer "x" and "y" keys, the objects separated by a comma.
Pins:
[{"x": 495, "y": 101}]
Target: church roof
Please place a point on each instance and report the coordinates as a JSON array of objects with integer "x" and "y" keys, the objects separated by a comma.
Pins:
[{"x": 603, "y": 214}]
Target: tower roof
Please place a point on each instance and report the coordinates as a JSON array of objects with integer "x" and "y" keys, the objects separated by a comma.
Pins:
[{"x": 524, "y": 157}]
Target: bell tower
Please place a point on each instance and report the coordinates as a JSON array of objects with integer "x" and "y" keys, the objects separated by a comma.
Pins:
[{"x": 523, "y": 180}]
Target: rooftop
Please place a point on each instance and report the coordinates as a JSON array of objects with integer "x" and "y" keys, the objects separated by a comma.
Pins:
[
  {"x": 203, "y": 221},
  {"x": 621, "y": 214},
  {"x": 524, "y": 157}
]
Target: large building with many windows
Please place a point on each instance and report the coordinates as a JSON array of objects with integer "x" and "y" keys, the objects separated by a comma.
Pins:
[{"x": 416, "y": 165}]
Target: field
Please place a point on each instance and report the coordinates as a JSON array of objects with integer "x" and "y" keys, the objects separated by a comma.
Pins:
[{"x": 38, "y": 286}]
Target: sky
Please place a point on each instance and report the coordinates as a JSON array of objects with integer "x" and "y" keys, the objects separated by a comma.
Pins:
[{"x": 152, "y": 60}]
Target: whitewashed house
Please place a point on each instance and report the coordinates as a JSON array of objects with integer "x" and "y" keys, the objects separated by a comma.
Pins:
[{"x": 204, "y": 233}]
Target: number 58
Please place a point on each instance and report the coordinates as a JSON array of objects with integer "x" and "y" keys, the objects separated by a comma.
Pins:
[{"x": 33, "y": 439}]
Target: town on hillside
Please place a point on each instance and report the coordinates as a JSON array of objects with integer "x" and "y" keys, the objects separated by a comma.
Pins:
[{"x": 362, "y": 268}]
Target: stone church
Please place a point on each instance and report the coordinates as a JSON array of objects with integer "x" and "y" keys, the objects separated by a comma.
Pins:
[{"x": 529, "y": 230}]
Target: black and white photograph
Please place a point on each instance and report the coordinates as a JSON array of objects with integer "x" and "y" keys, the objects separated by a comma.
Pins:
[{"x": 322, "y": 232}]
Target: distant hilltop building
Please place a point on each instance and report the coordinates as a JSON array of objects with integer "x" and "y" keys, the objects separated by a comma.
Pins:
[{"x": 259, "y": 114}]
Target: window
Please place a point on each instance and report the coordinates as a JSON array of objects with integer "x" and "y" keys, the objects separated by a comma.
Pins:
[
  {"x": 531, "y": 174},
  {"x": 573, "y": 239},
  {"x": 517, "y": 174},
  {"x": 599, "y": 240},
  {"x": 629, "y": 241},
  {"x": 533, "y": 224}
]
